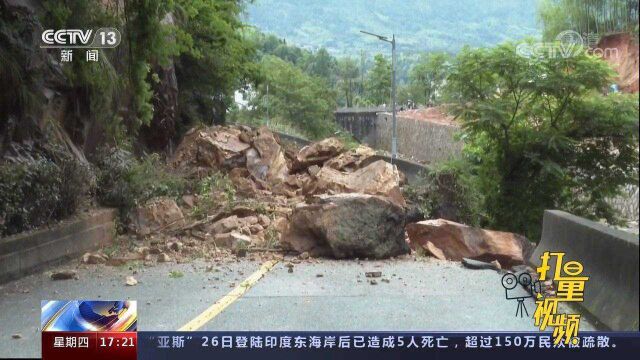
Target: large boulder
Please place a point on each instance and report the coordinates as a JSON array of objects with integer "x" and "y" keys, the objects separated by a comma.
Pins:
[
  {"x": 347, "y": 226},
  {"x": 318, "y": 152},
  {"x": 266, "y": 161},
  {"x": 351, "y": 160},
  {"x": 160, "y": 213},
  {"x": 454, "y": 241},
  {"x": 212, "y": 147},
  {"x": 377, "y": 178}
]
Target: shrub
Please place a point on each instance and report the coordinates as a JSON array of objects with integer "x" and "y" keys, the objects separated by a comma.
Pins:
[
  {"x": 214, "y": 191},
  {"x": 124, "y": 181},
  {"x": 447, "y": 191},
  {"x": 36, "y": 192}
]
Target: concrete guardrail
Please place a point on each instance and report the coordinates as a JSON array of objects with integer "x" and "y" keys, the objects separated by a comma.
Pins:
[
  {"x": 610, "y": 259},
  {"x": 26, "y": 253}
]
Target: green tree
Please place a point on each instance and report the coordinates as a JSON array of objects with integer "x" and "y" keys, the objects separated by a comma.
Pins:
[
  {"x": 216, "y": 58},
  {"x": 588, "y": 16},
  {"x": 348, "y": 75},
  {"x": 427, "y": 78},
  {"x": 295, "y": 98},
  {"x": 378, "y": 83},
  {"x": 323, "y": 65},
  {"x": 541, "y": 136}
]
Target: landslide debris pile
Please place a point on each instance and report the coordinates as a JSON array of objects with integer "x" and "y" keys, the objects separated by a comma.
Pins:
[{"x": 321, "y": 200}]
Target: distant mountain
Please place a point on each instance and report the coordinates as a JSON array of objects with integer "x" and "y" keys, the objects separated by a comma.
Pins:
[{"x": 419, "y": 25}]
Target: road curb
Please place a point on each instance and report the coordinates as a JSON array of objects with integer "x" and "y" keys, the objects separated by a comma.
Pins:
[{"x": 23, "y": 254}]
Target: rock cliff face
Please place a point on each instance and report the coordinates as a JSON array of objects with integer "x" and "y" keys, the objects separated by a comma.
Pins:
[
  {"x": 41, "y": 105},
  {"x": 31, "y": 80}
]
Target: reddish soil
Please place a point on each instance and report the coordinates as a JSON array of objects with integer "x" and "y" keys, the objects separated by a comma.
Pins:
[
  {"x": 626, "y": 61},
  {"x": 431, "y": 114}
]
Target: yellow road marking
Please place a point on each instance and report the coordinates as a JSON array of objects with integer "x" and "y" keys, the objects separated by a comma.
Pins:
[{"x": 228, "y": 299}]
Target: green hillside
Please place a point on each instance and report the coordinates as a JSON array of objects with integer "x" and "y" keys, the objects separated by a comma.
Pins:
[{"x": 420, "y": 25}]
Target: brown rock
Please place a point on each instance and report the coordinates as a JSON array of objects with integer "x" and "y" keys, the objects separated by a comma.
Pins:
[
  {"x": 64, "y": 275},
  {"x": 189, "y": 201},
  {"x": 313, "y": 170},
  {"x": 225, "y": 225},
  {"x": 352, "y": 159},
  {"x": 142, "y": 251},
  {"x": 318, "y": 152},
  {"x": 266, "y": 161},
  {"x": 458, "y": 241},
  {"x": 264, "y": 220},
  {"x": 158, "y": 213},
  {"x": 94, "y": 258},
  {"x": 232, "y": 240},
  {"x": 175, "y": 246},
  {"x": 212, "y": 147},
  {"x": 434, "y": 250},
  {"x": 256, "y": 228},
  {"x": 347, "y": 226},
  {"x": 377, "y": 178},
  {"x": 245, "y": 138},
  {"x": 232, "y": 223},
  {"x": 240, "y": 177},
  {"x": 162, "y": 258}
]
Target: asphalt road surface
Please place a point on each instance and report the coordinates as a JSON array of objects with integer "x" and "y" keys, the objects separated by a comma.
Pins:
[{"x": 318, "y": 294}]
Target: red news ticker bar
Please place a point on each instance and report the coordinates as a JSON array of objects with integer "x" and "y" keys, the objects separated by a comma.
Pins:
[{"x": 67, "y": 345}]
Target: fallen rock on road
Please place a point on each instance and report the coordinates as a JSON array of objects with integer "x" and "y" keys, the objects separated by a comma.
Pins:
[
  {"x": 157, "y": 214},
  {"x": 347, "y": 226},
  {"x": 457, "y": 241},
  {"x": 377, "y": 178}
]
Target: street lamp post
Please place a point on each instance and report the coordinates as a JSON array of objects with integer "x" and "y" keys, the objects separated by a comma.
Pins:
[
  {"x": 394, "y": 135},
  {"x": 267, "y": 104}
]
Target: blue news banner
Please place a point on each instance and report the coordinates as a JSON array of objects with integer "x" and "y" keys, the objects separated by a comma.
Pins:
[{"x": 379, "y": 345}]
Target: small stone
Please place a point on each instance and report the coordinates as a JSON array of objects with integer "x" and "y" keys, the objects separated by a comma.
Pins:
[
  {"x": 175, "y": 246},
  {"x": 496, "y": 263},
  {"x": 255, "y": 228},
  {"x": 131, "y": 281},
  {"x": 373, "y": 282},
  {"x": 142, "y": 251},
  {"x": 319, "y": 275},
  {"x": 163, "y": 258},
  {"x": 91, "y": 258},
  {"x": 16, "y": 336},
  {"x": 64, "y": 275},
  {"x": 373, "y": 274},
  {"x": 303, "y": 256},
  {"x": 264, "y": 220}
]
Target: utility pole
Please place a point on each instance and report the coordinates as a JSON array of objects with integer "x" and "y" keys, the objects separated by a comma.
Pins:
[
  {"x": 362, "y": 72},
  {"x": 267, "y": 104},
  {"x": 394, "y": 135}
]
